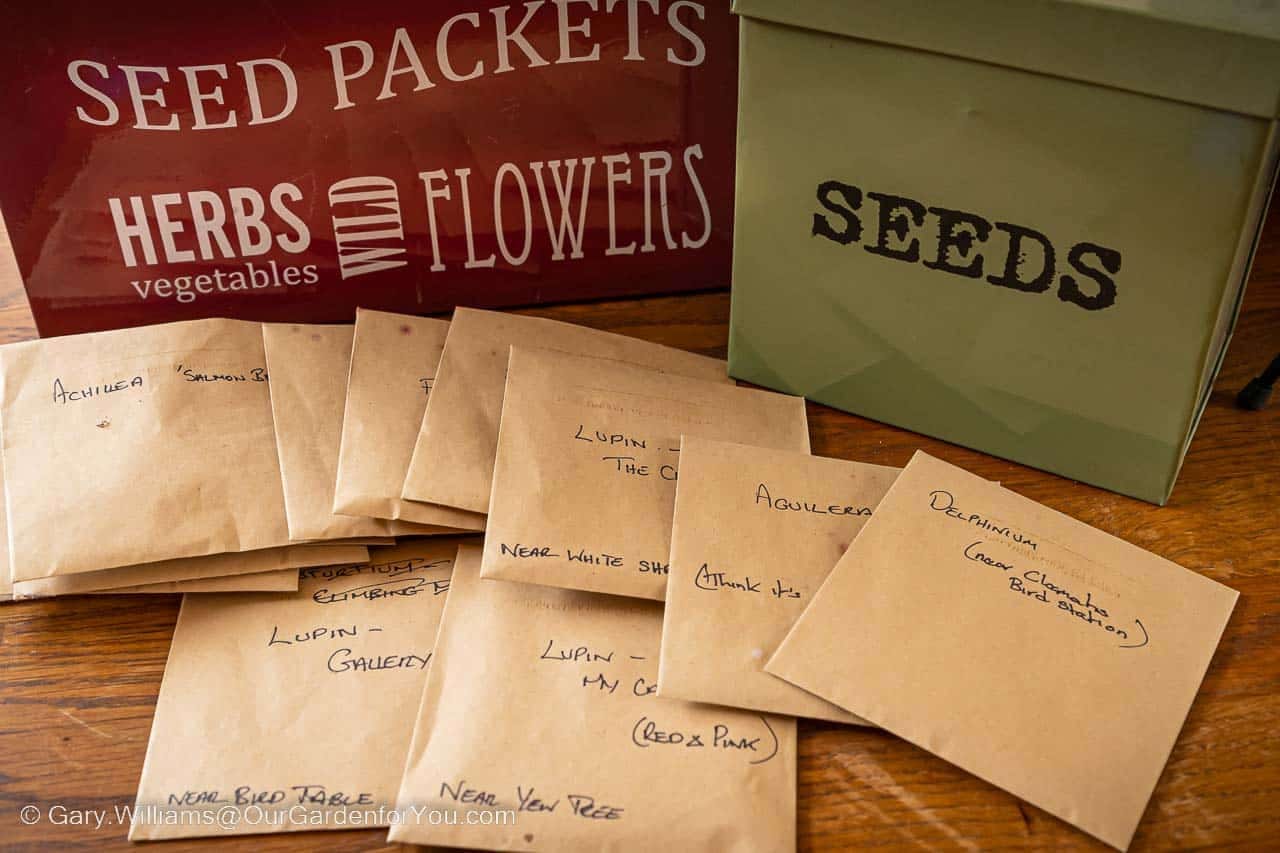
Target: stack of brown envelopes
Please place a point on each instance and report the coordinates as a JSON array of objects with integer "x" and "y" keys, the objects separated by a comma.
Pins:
[{"x": 666, "y": 580}]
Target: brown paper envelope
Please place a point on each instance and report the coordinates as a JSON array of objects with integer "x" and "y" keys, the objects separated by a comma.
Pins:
[
  {"x": 584, "y": 486},
  {"x": 755, "y": 534},
  {"x": 279, "y": 579},
  {"x": 393, "y": 366},
  {"x": 1032, "y": 650},
  {"x": 284, "y": 700},
  {"x": 138, "y": 445},
  {"x": 290, "y": 557},
  {"x": 193, "y": 568},
  {"x": 275, "y": 580},
  {"x": 454, "y": 456},
  {"x": 284, "y": 580},
  {"x": 268, "y": 567},
  {"x": 541, "y": 700},
  {"x": 308, "y": 365}
]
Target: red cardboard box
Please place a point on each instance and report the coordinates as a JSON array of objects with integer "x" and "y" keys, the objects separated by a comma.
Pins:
[{"x": 293, "y": 160}]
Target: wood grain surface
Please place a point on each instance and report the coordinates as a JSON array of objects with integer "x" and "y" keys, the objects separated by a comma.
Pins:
[{"x": 78, "y": 676}]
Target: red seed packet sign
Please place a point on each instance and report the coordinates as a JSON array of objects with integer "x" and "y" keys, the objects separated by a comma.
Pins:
[{"x": 290, "y": 161}]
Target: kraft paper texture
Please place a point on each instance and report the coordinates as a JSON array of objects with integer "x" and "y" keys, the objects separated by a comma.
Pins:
[
  {"x": 267, "y": 569},
  {"x": 453, "y": 458},
  {"x": 159, "y": 437},
  {"x": 393, "y": 369},
  {"x": 285, "y": 580},
  {"x": 1036, "y": 652},
  {"x": 541, "y": 700},
  {"x": 585, "y": 482},
  {"x": 308, "y": 366},
  {"x": 756, "y": 532},
  {"x": 190, "y": 569},
  {"x": 293, "y": 711}
]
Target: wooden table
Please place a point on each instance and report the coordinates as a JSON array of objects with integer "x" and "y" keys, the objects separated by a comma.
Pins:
[{"x": 78, "y": 676}]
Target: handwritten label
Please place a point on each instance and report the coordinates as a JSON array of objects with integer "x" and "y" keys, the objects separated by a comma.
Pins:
[
  {"x": 764, "y": 496},
  {"x": 575, "y": 654},
  {"x": 599, "y": 678},
  {"x": 426, "y": 382},
  {"x": 529, "y": 800},
  {"x": 613, "y": 439},
  {"x": 1037, "y": 585},
  {"x": 322, "y": 632},
  {"x": 190, "y": 374},
  {"x": 607, "y": 672},
  {"x": 572, "y": 554},
  {"x": 388, "y": 589},
  {"x": 717, "y": 581},
  {"x": 63, "y": 395},
  {"x": 397, "y": 579},
  {"x": 338, "y": 642},
  {"x": 393, "y": 568},
  {"x": 344, "y": 660},
  {"x": 943, "y": 501},
  {"x": 625, "y": 456},
  {"x": 647, "y": 733},
  {"x": 248, "y": 795}
]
